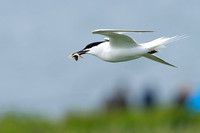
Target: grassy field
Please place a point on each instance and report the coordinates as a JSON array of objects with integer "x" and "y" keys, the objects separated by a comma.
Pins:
[{"x": 149, "y": 121}]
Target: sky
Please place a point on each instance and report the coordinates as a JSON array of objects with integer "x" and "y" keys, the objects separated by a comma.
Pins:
[{"x": 37, "y": 36}]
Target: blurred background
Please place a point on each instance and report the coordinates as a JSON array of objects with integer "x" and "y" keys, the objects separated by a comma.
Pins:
[{"x": 41, "y": 90}]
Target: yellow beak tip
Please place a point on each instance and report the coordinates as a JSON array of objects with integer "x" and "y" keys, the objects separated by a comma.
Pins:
[{"x": 70, "y": 56}]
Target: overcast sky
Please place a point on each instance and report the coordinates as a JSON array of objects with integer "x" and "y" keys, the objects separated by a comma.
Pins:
[{"x": 37, "y": 36}]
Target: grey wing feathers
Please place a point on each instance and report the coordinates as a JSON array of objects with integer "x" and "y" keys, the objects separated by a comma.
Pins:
[{"x": 117, "y": 39}]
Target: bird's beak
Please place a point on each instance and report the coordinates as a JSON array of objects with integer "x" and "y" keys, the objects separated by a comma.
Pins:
[
  {"x": 78, "y": 54},
  {"x": 71, "y": 56}
]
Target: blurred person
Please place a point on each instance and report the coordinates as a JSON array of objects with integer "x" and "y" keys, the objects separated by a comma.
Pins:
[
  {"x": 149, "y": 96},
  {"x": 183, "y": 92},
  {"x": 118, "y": 101}
]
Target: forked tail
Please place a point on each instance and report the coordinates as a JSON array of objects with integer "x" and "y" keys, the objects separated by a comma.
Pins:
[{"x": 154, "y": 45}]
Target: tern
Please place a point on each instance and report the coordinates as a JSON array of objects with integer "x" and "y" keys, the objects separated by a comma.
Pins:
[{"x": 118, "y": 47}]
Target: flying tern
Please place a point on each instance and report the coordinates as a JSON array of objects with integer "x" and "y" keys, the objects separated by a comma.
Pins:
[{"x": 118, "y": 47}]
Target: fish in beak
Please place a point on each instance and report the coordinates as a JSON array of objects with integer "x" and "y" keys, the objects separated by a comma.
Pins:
[{"x": 78, "y": 54}]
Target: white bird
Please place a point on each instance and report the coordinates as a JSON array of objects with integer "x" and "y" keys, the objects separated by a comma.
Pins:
[{"x": 119, "y": 47}]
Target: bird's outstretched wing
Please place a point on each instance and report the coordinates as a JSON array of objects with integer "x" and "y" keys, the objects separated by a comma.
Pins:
[{"x": 116, "y": 39}]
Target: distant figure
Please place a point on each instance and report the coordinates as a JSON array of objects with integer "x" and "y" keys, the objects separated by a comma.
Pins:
[
  {"x": 149, "y": 99},
  {"x": 117, "y": 101},
  {"x": 183, "y": 93},
  {"x": 149, "y": 96},
  {"x": 182, "y": 97}
]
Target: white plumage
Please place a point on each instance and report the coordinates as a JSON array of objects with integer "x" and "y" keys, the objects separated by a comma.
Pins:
[{"x": 119, "y": 47}]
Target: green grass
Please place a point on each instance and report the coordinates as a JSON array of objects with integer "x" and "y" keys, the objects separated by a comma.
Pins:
[{"x": 150, "y": 121}]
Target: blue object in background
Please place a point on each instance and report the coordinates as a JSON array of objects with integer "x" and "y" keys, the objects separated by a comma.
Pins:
[{"x": 192, "y": 103}]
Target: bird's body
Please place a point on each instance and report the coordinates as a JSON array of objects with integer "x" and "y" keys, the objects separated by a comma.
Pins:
[
  {"x": 119, "y": 47},
  {"x": 106, "y": 52}
]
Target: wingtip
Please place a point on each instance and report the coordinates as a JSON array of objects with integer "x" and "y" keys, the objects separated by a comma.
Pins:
[
  {"x": 174, "y": 66},
  {"x": 100, "y": 30},
  {"x": 94, "y": 31}
]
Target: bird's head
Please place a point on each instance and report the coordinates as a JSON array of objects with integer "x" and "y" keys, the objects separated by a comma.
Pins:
[{"x": 88, "y": 49}]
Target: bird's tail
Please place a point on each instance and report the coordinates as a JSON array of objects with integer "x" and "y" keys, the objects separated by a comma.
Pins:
[{"x": 156, "y": 44}]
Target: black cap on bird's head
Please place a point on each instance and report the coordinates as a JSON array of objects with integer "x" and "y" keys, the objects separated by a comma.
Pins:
[{"x": 84, "y": 51}]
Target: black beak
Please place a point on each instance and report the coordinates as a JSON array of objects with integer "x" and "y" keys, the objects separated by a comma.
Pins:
[{"x": 82, "y": 52}]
